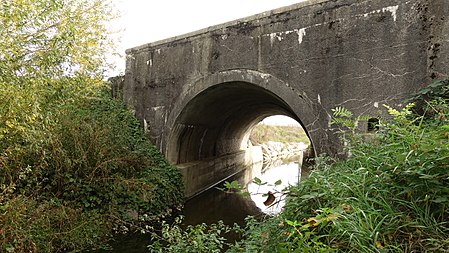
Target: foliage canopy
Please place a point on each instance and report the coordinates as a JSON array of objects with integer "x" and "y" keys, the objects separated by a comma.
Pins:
[{"x": 51, "y": 52}]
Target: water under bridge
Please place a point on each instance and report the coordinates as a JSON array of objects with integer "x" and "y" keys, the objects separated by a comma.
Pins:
[{"x": 198, "y": 95}]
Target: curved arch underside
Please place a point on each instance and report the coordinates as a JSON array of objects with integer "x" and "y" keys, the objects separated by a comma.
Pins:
[{"x": 218, "y": 120}]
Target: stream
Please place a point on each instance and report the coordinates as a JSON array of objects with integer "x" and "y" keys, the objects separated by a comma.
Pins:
[{"x": 214, "y": 205}]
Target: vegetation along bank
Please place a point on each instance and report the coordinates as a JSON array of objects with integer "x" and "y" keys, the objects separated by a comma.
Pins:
[
  {"x": 74, "y": 164},
  {"x": 389, "y": 195}
]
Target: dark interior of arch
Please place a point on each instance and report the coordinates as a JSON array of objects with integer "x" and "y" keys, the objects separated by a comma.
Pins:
[{"x": 217, "y": 120}]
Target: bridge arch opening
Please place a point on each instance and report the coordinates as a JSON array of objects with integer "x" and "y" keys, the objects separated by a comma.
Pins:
[
  {"x": 218, "y": 120},
  {"x": 280, "y": 129}
]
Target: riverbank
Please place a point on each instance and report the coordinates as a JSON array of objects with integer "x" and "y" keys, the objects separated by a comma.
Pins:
[
  {"x": 91, "y": 175},
  {"x": 273, "y": 150},
  {"x": 75, "y": 166}
]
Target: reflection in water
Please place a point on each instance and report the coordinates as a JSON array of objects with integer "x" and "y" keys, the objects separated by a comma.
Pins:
[
  {"x": 275, "y": 178},
  {"x": 214, "y": 205}
]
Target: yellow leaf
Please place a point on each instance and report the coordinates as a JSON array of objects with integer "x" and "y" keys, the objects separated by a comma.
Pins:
[
  {"x": 332, "y": 217},
  {"x": 379, "y": 245},
  {"x": 312, "y": 222},
  {"x": 9, "y": 124}
]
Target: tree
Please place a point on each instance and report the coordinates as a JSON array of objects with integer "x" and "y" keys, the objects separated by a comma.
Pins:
[
  {"x": 54, "y": 38},
  {"x": 51, "y": 51}
]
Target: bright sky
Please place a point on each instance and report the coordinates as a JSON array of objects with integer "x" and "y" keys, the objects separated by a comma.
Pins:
[{"x": 144, "y": 21}]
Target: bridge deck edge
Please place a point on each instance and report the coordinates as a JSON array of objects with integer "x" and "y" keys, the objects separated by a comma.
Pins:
[{"x": 227, "y": 24}]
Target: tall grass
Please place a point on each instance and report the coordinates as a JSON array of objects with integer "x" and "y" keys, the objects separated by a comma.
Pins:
[{"x": 389, "y": 195}]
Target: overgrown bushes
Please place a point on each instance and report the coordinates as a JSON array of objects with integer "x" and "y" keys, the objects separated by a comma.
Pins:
[
  {"x": 74, "y": 163},
  {"x": 96, "y": 169},
  {"x": 47, "y": 225}
]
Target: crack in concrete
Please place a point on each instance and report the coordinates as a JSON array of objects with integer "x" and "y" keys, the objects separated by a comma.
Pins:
[
  {"x": 382, "y": 71},
  {"x": 351, "y": 100},
  {"x": 228, "y": 48}
]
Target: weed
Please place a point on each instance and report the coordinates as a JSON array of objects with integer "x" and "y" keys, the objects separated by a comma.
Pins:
[{"x": 193, "y": 239}]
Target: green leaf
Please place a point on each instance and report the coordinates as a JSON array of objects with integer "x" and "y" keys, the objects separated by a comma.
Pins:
[
  {"x": 440, "y": 199},
  {"x": 257, "y": 181}
]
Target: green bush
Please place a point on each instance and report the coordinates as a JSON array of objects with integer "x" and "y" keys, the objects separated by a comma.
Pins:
[
  {"x": 96, "y": 163},
  {"x": 49, "y": 226},
  {"x": 200, "y": 238},
  {"x": 73, "y": 162}
]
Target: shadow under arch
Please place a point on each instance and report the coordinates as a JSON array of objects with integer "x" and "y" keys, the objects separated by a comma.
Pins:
[{"x": 214, "y": 115}]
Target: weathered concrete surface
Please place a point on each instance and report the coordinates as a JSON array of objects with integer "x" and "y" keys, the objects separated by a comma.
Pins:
[
  {"x": 201, "y": 175},
  {"x": 199, "y": 94}
]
